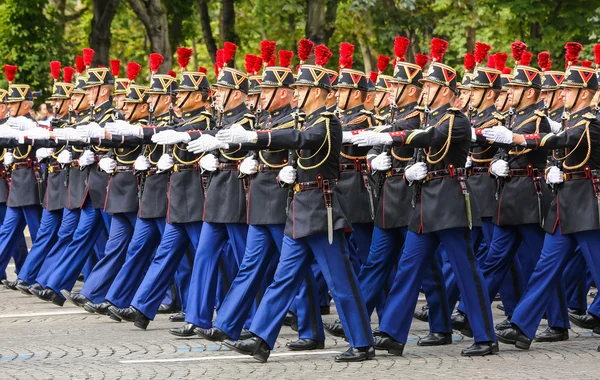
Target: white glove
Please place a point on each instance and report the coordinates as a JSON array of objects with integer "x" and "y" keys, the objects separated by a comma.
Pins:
[
  {"x": 69, "y": 134},
  {"x": 87, "y": 158},
  {"x": 370, "y": 138},
  {"x": 107, "y": 164},
  {"x": 42, "y": 153},
  {"x": 555, "y": 126},
  {"x": 91, "y": 130},
  {"x": 171, "y": 137},
  {"x": 38, "y": 134},
  {"x": 123, "y": 128},
  {"x": 141, "y": 163},
  {"x": 7, "y": 132},
  {"x": 21, "y": 123},
  {"x": 416, "y": 172},
  {"x": 65, "y": 157},
  {"x": 469, "y": 162},
  {"x": 347, "y": 137},
  {"x": 382, "y": 162},
  {"x": 498, "y": 134},
  {"x": 554, "y": 176},
  {"x": 249, "y": 166},
  {"x": 209, "y": 163},
  {"x": 8, "y": 159},
  {"x": 499, "y": 168},
  {"x": 206, "y": 143},
  {"x": 236, "y": 134},
  {"x": 287, "y": 175},
  {"x": 165, "y": 162}
]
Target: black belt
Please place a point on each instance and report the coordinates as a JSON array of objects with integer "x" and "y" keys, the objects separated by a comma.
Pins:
[
  {"x": 228, "y": 167},
  {"x": 573, "y": 176},
  {"x": 312, "y": 185},
  {"x": 264, "y": 168},
  {"x": 480, "y": 170},
  {"x": 151, "y": 171},
  {"x": 394, "y": 172},
  {"x": 358, "y": 166},
  {"x": 185, "y": 167},
  {"x": 22, "y": 165},
  {"x": 450, "y": 172},
  {"x": 528, "y": 172},
  {"x": 55, "y": 168},
  {"x": 124, "y": 168}
]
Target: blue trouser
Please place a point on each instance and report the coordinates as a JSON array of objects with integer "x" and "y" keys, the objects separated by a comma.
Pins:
[
  {"x": 46, "y": 239},
  {"x": 263, "y": 245},
  {"x": 110, "y": 262},
  {"x": 547, "y": 276},
  {"x": 213, "y": 238},
  {"x": 419, "y": 250},
  {"x": 169, "y": 256},
  {"x": 15, "y": 220},
  {"x": 577, "y": 280},
  {"x": 294, "y": 267},
  {"x": 91, "y": 224},
  {"x": 146, "y": 237},
  {"x": 19, "y": 252},
  {"x": 362, "y": 234}
]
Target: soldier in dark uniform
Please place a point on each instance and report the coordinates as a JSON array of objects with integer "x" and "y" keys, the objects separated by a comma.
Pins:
[
  {"x": 185, "y": 207},
  {"x": 522, "y": 201},
  {"x": 574, "y": 174},
  {"x": 91, "y": 224},
  {"x": 55, "y": 199},
  {"x": 383, "y": 102},
  {"x": 435, "y": 220},
  {"x": 26, "y": 183},
  {"x": 120, "y": 89},
  {"x": 315, "y": 224}
]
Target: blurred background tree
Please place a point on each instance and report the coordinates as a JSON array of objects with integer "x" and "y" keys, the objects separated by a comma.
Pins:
[{"x": 34, "y": 32}]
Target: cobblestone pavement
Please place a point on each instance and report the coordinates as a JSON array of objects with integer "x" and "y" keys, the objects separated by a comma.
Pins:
[{"x": 41, "y": 341}]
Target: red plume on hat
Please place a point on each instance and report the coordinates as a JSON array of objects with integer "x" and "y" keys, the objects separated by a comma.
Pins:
[
  {"x": 155, "y": 61},
  {"x": 249, "y": 62},
  {"x": 10, "y": 71},
  {"x": 438, "y": 49},
  {"x": 507, "y": 70},
  {"x": 305, "y": 47},
  {"x": 219, "y": 62},
  {"x": 184, "y": 55},
  {"x": 373, "y": 75},
  {"x": 322, "y": 55},
  {"x": 586, "y": 63},
  {"x": 573, "y": 49},
  {"x": 203, "y": 70},
  {"x": 172, "y": 73},
  {"x": 257, "y": 65},
  {"x": 229, "y": 49},
  {"x": 421, "y": 60},
  {"x": 469, "y": 62},
  {"x": 79, "y": 64},
  {"x": 346, "y": 51},
  {"x": 285, "y": 57},
  {"x": 597, "y": 54},
  {"x": 133, "y": 70},
  {"x": 55, "y": 69},
  {"x": 88, "y": 56},
  {"x": 544, "y": 60},
  {"x": 526, "y": 58},
  {"x": 501, "y": 59},
  {"x": 383, "y": 62},
  {"x": 481, "y": 52},
  {"x": 115, "y": 67},
  {"x": 400, "y": 48},
  {"x": 68, "y": 73},
  {"x": 267, "y": 51},
  {"x": 491, "y": 61},
  {"x": 518, "y": 48}
]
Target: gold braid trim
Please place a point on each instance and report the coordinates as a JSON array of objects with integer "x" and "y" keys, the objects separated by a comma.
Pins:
[
  {"x": 327, "y": 140},
  {"x": 444, "y": 149},
  {"x": 516, "y": 152},
  {"x": 198, "y": 119},
  {"x": 17, "y": 153},
  {"x": 586, "y": 133}
]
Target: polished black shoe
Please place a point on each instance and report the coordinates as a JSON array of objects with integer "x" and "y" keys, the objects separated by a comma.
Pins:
[
  {"x": 48, "y": 295},
  {"x": 586, "y": 321},
  {"x": 75, "y": 298},
  {"x": 500, "y": 306},
  {"x": 127, "y": 314},
  {"x": 335, "y": 329},
  {"x": 24, "y": 287},
  {"x": 505, "y": 324},
  {"x": 305, "y": 345},
  {"x": 255, "y": 347},
  {"x": 576, "y": 311},
  {"x": 213, "y": 334},
  {"x": 514, "y": 336},
  {"x": 246, "y": 334},
  {"x": 356, "y": 354},
  {"x": 552, "y": 334},
  {"x": 184, "y": 331},
  {"x": 12, "y": 285},
  {"x": 178, "y": 317},
  {"x": 325, "y": 310},
  {"x": 435, "y": 339},
  {"x": 167, "y": 309},
  {"x": 387, "y": 343},
  {"x": 480, "y": 349},
  {"x": 497, "y": 298},
  {"x": 141, "y": 321},
  {"x": 98, "y": 308},
  {"x": 289, "y": 318},
  {"x": 377, "y": 332},
  {"x": 460, "y": 322},
  {"x": 423, "y": 314},
  {"x": 80, "y": 278}
]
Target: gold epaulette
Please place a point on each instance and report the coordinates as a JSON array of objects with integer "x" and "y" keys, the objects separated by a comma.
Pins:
[
  {"x": 415, "y": 113},
  {"x": 453, "y": 110},
  {"x": 366, "y": 112},
  {"x": 250, "y": 115},
  {"x": 327, "y": 114},
  {"x": 420, "y": 108},
  {"x": 196, "y": 119},
  {"x": 359, "y": 120},
  {"x": 289, "y": 124},
  {"x": 498, "y": 116},
  {"x": 490, "y": 123},
  {"x": 589, "y": 116},
  {"x": 381, "y": 128},
  {"x": 539, "y": 113}
]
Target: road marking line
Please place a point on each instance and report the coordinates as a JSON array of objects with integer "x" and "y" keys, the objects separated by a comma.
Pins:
[
  {"x": 45, "y": 314},
  {"x": 226, "y": 357}
]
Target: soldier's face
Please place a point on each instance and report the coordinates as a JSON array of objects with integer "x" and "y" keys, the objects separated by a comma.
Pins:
[
  {"x": 300, "y": 93},
  {"x": 569, "y": 97},
  {"x": 92, "y": 93},
  {"x": 221, "y": 96},
  {"x": 14, "y": 107},
  {"x": 266, "y": 97},
  {"x": 118, "y": 99},
  {"x": 252, "y": 100},
  {"x": 341, "y": 95},
  {"x": 515, "y": 92},
  {"x": 477, "y": 95},
  {"x": 463, "y": 98},
  {"x": 429, "y": 92},
  {"x": 502, "y": 101},
  {"x": 380, "y": 97},
  {"x": 3, "y": 110}
]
